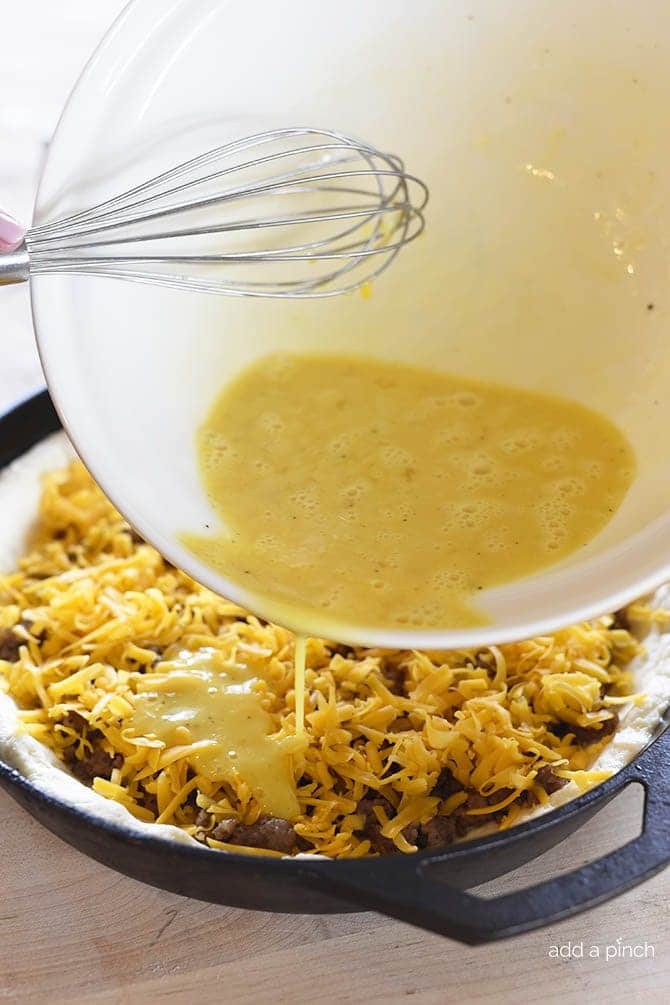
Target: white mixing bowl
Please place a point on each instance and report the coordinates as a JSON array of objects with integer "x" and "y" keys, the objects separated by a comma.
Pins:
[{"x": 542, "y": 131}]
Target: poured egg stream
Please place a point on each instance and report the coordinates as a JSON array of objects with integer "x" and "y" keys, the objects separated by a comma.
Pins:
[{"x": 389, "y": 496}]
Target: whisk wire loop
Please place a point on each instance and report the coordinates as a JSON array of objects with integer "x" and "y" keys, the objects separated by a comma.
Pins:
[{"x": 328, "y": 215}]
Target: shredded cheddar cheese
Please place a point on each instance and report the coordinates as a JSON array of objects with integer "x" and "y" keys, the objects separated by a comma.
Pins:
[{"x": 399, "y": 748}]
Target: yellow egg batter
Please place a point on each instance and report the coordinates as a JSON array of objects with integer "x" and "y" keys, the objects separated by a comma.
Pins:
[
  {"x": 206, "y": 700},
  {"x": 389, "y": 496}
]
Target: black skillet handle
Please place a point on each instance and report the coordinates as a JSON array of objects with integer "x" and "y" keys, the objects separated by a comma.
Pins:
[{"x": 403, "y": 887}]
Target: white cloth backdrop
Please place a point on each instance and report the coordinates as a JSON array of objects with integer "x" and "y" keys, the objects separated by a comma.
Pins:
[{"x": 45, "y": 43}]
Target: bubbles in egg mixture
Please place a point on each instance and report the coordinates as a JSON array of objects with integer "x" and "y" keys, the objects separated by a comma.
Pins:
[
  {"x": 449, "y": 579},
  {"x": 564, "y": 438},
  {"x": 271, "y": 424},
  {"x": 553, "y": 462},
  {"x": 306, "y": 499},
  {"x": 521, "y": 442},
  {"x": 216, "y": 449},
  {"x": 396, "y": 457},
  {"x": 391, "y": 496}
]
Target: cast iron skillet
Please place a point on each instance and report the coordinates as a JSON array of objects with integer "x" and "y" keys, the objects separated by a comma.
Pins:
[{"x": 425, "y": 889}]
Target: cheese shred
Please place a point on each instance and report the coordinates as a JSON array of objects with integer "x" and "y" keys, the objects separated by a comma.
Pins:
[{"x": 400, "y": 749}]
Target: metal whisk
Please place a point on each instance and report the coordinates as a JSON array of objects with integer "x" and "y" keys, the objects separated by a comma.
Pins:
[{"x": 286, "y": 213}]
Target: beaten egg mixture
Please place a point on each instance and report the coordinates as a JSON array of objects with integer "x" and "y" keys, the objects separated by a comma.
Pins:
[{"x": 390, "y": 496}]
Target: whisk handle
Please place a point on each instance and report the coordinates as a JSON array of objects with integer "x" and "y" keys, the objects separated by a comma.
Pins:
[
  {"x": 14, "y": 263},
  {"x": 14, "y": 266}
]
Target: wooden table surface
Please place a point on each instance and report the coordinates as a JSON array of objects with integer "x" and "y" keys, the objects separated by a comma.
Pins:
[{"x": 72, "y": 930}]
